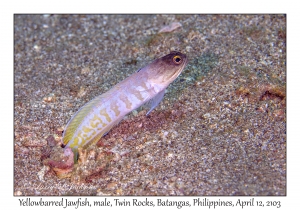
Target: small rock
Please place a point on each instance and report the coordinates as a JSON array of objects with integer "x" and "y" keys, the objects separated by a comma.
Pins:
[
  {"x": 81, "y": 92},
  {"x": 51, "y": 141},
  {"x": 207, "y": 115},
  {"x": 61, "y": 161},
  {"x": 18, "y": 193},
  {"x": 42, "y": 172},
  {"x": 170, "y": 28},
  {"x": 85, "y": 70},
  {"x": 50, "y": 98},
  {"x": 34, "y": 143},
  {"x": 111, "y": 185}
]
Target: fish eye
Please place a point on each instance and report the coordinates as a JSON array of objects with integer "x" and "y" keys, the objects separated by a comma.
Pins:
[{"x": 177, "y": 59}]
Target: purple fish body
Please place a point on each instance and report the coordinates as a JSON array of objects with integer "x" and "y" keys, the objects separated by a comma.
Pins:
[{"x": 99, "y": 115}]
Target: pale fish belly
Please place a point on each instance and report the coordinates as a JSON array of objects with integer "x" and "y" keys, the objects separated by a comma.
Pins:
[{"x": 98, "y": 116}]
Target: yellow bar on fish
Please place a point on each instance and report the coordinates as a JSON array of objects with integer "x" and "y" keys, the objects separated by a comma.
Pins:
[{"x": 98, "y": 116}]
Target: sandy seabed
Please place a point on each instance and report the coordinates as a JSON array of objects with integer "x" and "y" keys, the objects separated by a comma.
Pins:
[{"x": 220, "y": 130}]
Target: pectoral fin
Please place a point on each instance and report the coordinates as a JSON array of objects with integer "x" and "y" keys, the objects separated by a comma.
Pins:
[{"x": 155, "y": 101}]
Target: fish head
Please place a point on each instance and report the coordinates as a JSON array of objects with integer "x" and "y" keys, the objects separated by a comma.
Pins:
[{"x": 166, "y": 69}]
